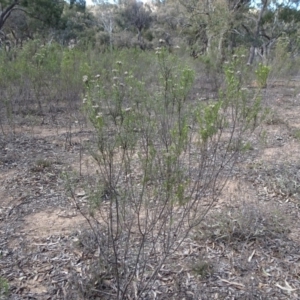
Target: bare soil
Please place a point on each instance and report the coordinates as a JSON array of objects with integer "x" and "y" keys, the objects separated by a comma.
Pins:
[{"x": 247, "y": 248}]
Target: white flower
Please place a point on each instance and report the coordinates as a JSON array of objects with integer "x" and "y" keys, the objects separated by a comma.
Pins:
[
  {"x": 84, "y": 100},
  {"x": 97, "y": 76},
  {"x": 119, "y": 63},
  {"x": 115, "y": 78},
  {"x": 85, "y": 78}
]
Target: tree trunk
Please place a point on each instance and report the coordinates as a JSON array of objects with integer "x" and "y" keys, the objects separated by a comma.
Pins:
[
  {"x": 256, "y": 32},
  {"x": 6, "y": 13},
  {"x": 251, "y": 55}
]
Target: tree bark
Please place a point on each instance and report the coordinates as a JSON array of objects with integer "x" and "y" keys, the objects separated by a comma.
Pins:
[
  {"x": 6, "y": 13},
  {"x": 256, "y": 32}
]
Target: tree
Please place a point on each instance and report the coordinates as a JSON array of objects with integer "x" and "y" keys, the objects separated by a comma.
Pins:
[
  {"x": 264, "y": 26},
  {"x": 170, "y": 19},
  {"x": 23, "y": 19},
  {"x": 212, "y": 23},
  {"x": 135, "y": 15},
  {"x": 17, "y": 28},
  {"x": 76, "y": 24},
  {"x": 105, "y": 16},
  {"x": 48, "y": 12},
  {"x": 79, "y": 4}
]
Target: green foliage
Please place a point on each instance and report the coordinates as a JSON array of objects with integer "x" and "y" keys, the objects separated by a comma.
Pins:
[
  {"x": 247, "y": 104},
  {"x": 151, "y": 132},
  {"x": 80, "y": 5},
  {"x": 45, "y": 11},
  {"x": 45, "y": 19},
  {"x": 3, "y": 288},
  {"x": 288, "y": 14},
  {"x": 209, "y": 120},
  {"x": 76, "y": 24},
  {"x": 262, "y": 73},
  {"x": 37, "y": 76},
  {"x": 283, "y": 63},
  {"x": 135, "y": 15}
]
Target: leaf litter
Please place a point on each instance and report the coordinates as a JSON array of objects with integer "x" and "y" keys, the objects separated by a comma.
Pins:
[{"x": 41, "y": 230}]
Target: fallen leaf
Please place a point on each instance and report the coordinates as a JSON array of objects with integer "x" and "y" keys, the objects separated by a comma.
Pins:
[
  {"x": 236, "y": 284},
  {"x": 251, "y": 256},
  {"x": 265, "y": 273},
  {"x": 286, "y": 288}
]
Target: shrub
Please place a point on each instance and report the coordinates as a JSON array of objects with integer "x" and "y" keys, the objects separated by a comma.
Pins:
[
  {"x": 262, "y": 73},
  {"x": 160, "y": 154}
]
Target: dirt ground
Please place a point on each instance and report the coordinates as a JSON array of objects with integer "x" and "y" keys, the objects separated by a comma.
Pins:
[{"x": 39, "y": 225}]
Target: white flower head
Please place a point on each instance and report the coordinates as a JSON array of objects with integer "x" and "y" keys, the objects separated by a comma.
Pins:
[
  {"x": 97, "y": 76},
  {"x": 119, "y": 63},
  {"x": 85, "y": 78}
]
